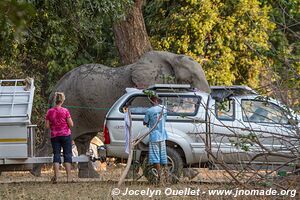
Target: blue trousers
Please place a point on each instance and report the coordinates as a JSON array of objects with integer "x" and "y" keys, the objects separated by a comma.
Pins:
[
  {"x": 64, "y": 142},
  {"x": 158, "y": 153}
]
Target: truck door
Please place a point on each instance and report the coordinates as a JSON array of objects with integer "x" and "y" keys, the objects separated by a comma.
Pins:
[
  {"x": 186, "y": 124},
  {"x": 222, "y": 116},
  {"x": 265, "y": 128}
]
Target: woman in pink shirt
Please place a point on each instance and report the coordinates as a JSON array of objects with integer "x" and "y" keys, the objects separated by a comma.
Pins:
[{"x": 59, "y": 120}]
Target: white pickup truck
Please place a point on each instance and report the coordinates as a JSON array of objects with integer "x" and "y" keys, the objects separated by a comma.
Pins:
[{"x": 233, "y": 125}]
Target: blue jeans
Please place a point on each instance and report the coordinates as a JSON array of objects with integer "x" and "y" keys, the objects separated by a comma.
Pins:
[{"x": 64, "y": 142}]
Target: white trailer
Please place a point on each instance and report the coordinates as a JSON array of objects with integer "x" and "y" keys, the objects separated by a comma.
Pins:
[{"x": 17, "y": 133}]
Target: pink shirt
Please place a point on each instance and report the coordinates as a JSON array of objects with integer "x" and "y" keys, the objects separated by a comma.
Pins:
[{"x": 57, "y": 117}]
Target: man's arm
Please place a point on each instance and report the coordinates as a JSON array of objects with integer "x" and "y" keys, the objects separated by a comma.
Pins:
[{"x": 146, "y": 120}]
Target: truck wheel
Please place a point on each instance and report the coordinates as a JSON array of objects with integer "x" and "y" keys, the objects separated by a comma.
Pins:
[{"x": 174, "y": 167}]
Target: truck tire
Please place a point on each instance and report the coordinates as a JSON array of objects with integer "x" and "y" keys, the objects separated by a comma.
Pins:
[{"x": 175, "y": 167}]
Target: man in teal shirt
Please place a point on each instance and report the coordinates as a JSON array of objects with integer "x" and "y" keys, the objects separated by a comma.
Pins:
[{"x": 158, "y": 136}]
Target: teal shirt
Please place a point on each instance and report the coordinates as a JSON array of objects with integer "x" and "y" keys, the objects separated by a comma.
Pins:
[{"x": 159, "y": 133}]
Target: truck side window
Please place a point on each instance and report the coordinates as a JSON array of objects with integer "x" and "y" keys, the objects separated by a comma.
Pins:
[
  {"x": 182, "y": 105},
  {"x": 138, "y": 104},
  {"x": 262, "y": 111},
  {"x": 225, "y": 110}
]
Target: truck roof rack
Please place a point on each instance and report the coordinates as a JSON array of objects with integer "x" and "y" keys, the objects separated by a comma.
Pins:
[{"x": 170, "y": 87}]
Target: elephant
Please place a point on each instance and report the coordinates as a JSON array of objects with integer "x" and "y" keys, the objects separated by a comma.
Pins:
[{"x": 91, "y": 89}]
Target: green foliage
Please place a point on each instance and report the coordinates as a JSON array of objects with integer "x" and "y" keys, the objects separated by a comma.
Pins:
[
  {"x": 66, "y": 34},
  {"x": 59, "y": 35},
  {"x": 244, "y": 142},
  {"x": 214, "y": 32},
  {"x": 150, "y": 93},
  {"x": 13, "y": 19},
  {"x": 284, "y": 56},
  {"x": 46, "y": 39},
  {"x": 168, "y": 79},
  {"x": 253, "y": 42}
]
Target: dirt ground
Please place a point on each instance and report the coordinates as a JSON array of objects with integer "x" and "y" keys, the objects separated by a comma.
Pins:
[{"x": 22, "y": 185}]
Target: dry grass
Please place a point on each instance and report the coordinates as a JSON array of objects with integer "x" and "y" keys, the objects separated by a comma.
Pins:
[{"x": 22, "y": 185}]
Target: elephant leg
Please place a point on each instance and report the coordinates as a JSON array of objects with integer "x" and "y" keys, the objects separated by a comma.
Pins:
[{"x": 85, "y": 170}]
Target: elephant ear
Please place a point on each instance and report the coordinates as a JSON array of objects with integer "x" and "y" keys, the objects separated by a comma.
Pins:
[
  {"x": 155, "y": 66},
  {"x": 187, "y": 70},
  {"x": 151, "y": 69}
]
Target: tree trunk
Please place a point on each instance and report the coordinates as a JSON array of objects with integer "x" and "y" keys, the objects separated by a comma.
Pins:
[{"x": 131, "y": 37}]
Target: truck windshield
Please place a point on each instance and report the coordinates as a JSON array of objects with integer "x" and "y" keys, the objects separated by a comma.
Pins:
[{"x": 262, "y": 111}]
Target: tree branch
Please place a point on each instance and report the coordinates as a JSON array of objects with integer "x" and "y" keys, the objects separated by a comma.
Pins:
[{"x": 133, "y": 144}]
